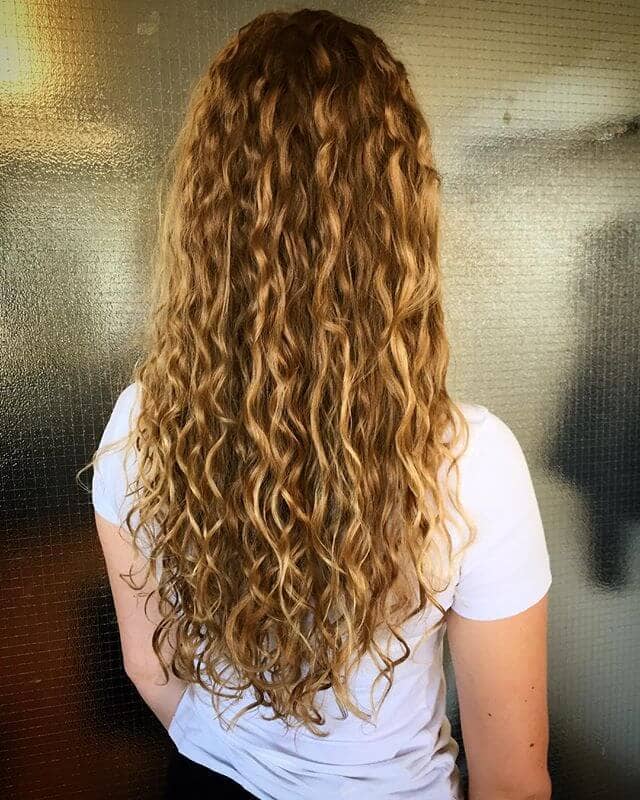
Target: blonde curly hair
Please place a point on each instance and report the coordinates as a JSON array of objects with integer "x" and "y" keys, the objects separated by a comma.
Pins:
[{"x": 293, "y": 406}]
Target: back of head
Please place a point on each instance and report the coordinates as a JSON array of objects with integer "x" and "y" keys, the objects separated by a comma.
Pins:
[{"x": 294, "y": 376}]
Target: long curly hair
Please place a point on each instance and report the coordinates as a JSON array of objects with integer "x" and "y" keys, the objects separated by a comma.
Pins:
[{"x": 293, "y": 411}]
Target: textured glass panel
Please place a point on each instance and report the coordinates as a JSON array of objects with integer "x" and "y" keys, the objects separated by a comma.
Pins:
[{"x": 534, "y": 109}]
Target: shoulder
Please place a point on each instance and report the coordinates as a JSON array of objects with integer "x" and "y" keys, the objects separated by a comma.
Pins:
[
  {"x": 127, "y": 403},
  {"x": 114, "y": 465},
  {"x": 490, "y": 436},
  {"x": 474, "y": 412},
  {"x": 122, "y": 414},
  {"x": 496, "y": 485},
  {"x": 111, "y": 461},
  {"x": 475, "y": 415},
  {"x": 493, "y": 467}
]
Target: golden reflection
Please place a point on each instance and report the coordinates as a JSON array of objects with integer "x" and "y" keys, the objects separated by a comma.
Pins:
[{"x": 24, "y": 58}]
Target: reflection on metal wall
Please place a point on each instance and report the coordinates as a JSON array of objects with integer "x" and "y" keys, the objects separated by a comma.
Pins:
[{"x": 535, "y": 116}]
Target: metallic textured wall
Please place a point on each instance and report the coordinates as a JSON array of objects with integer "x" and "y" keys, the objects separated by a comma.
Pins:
[{"x": 535, "y": 110}]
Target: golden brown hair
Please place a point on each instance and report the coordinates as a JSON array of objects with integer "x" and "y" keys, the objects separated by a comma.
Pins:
[{"x": 293, "y": 402}]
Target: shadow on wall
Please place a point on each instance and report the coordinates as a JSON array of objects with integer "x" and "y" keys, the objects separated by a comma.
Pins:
[
  {"x": 596, "y": 448},
  {"x": 597, "y": 443}
]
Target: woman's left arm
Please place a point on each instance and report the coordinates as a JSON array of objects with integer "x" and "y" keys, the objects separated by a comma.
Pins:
[{"x": 136, "y": 628}]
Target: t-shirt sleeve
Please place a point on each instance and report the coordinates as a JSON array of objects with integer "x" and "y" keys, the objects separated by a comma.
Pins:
[
  {"x": 114, "y": 469},
  {"x": 506, "y": 569}
]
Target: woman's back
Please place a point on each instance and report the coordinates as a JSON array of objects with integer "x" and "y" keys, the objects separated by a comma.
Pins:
[
  {"x": 302, "y": 479},
  {"x": 406, "y": 750}
]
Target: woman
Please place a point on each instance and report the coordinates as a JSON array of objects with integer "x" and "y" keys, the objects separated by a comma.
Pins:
[{"x": 307, "y": 505}]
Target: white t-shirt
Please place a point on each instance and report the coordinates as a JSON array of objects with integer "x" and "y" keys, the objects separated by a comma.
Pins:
[{"x": 408, "y": 751}]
